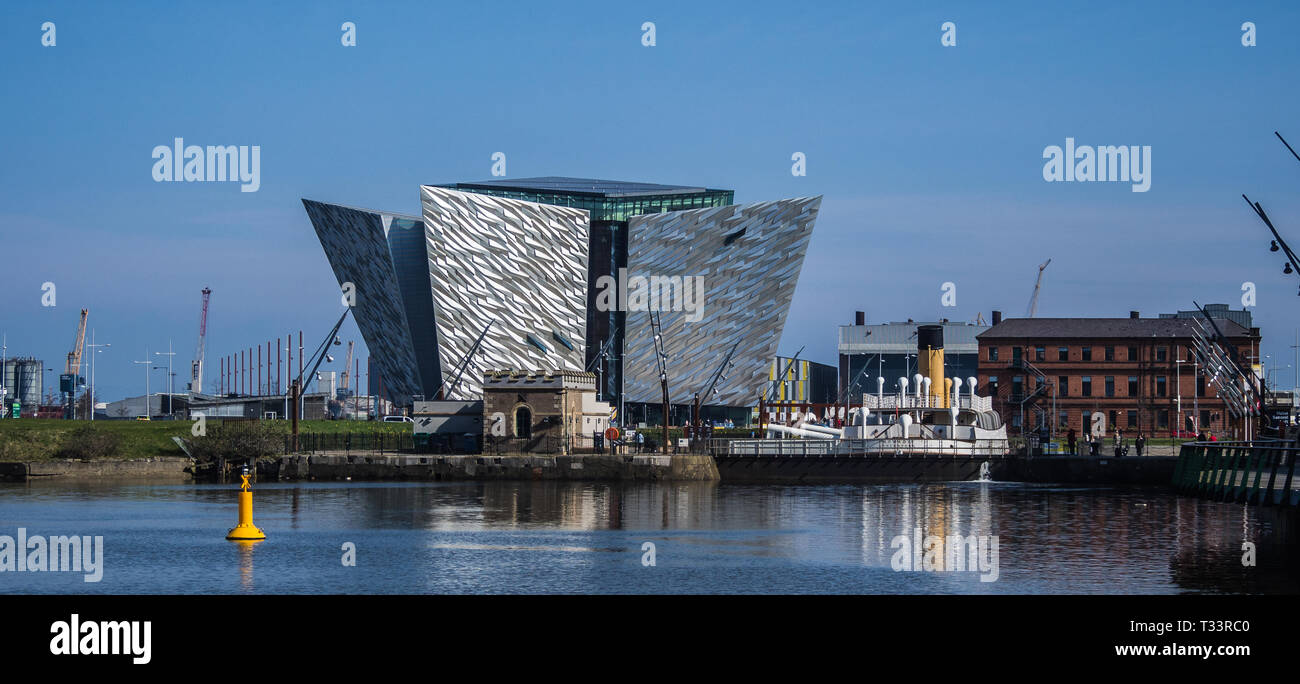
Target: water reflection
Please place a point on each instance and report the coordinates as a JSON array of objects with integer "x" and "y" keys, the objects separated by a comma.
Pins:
[
  {"x": 245, "y": 554},
  {"x": 545, "y": 537}
]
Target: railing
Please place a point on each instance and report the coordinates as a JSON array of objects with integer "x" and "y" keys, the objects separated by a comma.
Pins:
[
  {"x": 856, "y": 448},
  {"x": 1258, "y": 473},
  {"x": 911, "y": 401},
  {"x": 371, "y": 442}
]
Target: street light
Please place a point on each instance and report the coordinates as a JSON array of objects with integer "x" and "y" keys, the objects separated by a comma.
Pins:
[
  {"x": 94, "y": 350},
  {"x": 169, "y": 383},
  {"x": 148, "y": 396},
  {"x": 169, "y": 354}
]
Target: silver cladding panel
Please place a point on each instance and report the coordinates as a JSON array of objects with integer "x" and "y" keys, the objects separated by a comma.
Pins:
[
  {"x": 748, "y": 283},
  {"x": 520, "y": 264},
  {"x": 356, "y": 245}
]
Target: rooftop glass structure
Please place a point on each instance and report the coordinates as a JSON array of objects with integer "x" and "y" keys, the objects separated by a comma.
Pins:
[{"x": 605, "y": 200}]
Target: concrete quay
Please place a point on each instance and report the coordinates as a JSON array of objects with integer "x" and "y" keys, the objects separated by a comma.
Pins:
[
  {"x": 432, "y": 467},
  {"x": 149, "y": 468}
]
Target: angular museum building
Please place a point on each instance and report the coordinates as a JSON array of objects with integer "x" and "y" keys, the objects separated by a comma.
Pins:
[{"x": 562, "y": 273}]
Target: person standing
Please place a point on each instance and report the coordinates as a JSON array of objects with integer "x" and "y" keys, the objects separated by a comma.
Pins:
[
  {"x": 1140, "y": 444},
  {"x": 1072, "y": 442}
]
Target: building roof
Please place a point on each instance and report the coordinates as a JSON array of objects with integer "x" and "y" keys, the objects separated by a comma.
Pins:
[
  {"x": 592, "y": 187},
  {"x": 900, "y": 338},
  {"x": 1085, "y": 328}
]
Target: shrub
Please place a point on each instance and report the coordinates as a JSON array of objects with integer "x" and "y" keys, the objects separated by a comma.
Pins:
[
  {"x": 89, "y": 442},
  {"x": 238, "y": 441}
]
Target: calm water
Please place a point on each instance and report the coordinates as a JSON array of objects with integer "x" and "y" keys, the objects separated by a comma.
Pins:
[{"x": 548, "y": 537}]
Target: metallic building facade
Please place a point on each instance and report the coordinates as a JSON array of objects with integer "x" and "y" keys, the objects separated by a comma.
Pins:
[
  {"x": 427, "y": 286},
  {"x": 520, "y": 266},
  {"x": 749, "y": 256},
  {"x": 610, "y": 204},
  {"x": 356, "y": 243}
]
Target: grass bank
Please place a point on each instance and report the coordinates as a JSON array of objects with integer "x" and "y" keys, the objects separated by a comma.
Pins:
[{"x": 39, "y": 439}]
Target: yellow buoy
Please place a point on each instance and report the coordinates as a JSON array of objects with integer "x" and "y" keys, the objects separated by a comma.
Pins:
[{"x": 245, "y": 530}]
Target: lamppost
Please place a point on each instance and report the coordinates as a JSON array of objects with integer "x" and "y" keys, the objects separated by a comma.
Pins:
[
  {"x": 148, "y": 396},
  {"x": 169, "y": 354},
  {"x": 94, "y": 350},
  {"x": 1178, "y": 375}
]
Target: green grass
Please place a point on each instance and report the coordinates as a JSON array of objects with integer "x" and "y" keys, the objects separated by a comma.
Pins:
[{"x": 39, "y": 439}]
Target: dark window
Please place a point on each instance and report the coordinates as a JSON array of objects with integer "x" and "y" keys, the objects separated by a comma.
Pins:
[
  {"x": 1087, "y": 422},
  {"x": 1132, "y": 419},
  {"x": 1162, "y": 418},
  {"x": 1205, "y": 419},
  {"x": 1062, "y": 353},
  {"x": 1132, "y": 353},
  {"x": 1086, "y": 353},
  {"x": 1162, "y": 354},
  {"x": 1200, "y": 386},
  {"x": 1132, "y": 386},
  {"x": 536, "y": 342},
  {"x": 1017, "y": 388},
  {"x": 993, "y": 385},
  {"x": 1015, "y": 355},
  {"x": 1063, "y": 386},
  {"x": 1087, "y": 386},
  {"x": 1110, "y": 353},
  {"x": 1162, "y": 389},
  {"x": 993, "y": 353},
  {"x": 1110, "y": 386},
  {"x": 1040, "y": 354},
  {"x": 1114, "y": 419},
  {"x": 523, "y": 423},
  {"x": 1190, "y": 354},
  {"x": 555, "y": 335}
]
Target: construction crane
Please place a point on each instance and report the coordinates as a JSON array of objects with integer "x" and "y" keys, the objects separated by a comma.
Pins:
[
  {"x": 1038, "y": 284},
  {"x": 71, "y": 378},
  {"x": 196, "y": 366}
]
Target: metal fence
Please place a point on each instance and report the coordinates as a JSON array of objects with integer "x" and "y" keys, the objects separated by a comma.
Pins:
[
  {"x": 370, "y": 442},
  {"x": 1259, "y": 473}
]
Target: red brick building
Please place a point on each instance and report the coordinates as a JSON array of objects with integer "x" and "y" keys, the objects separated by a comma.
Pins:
[{"x": 1133, "y": 370}]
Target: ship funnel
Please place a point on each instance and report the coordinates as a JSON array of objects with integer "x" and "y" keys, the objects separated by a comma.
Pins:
[{"x": 929, "y": 352}]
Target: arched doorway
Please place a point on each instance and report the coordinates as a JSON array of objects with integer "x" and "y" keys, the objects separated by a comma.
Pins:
[{"x": 523, "y": 423}]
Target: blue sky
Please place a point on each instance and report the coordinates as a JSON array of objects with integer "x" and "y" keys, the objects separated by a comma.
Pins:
[{"x": 929, "y": 158}]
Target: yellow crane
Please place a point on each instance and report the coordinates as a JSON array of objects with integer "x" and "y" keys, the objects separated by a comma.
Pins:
[{"x": 71, "y": 377}]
